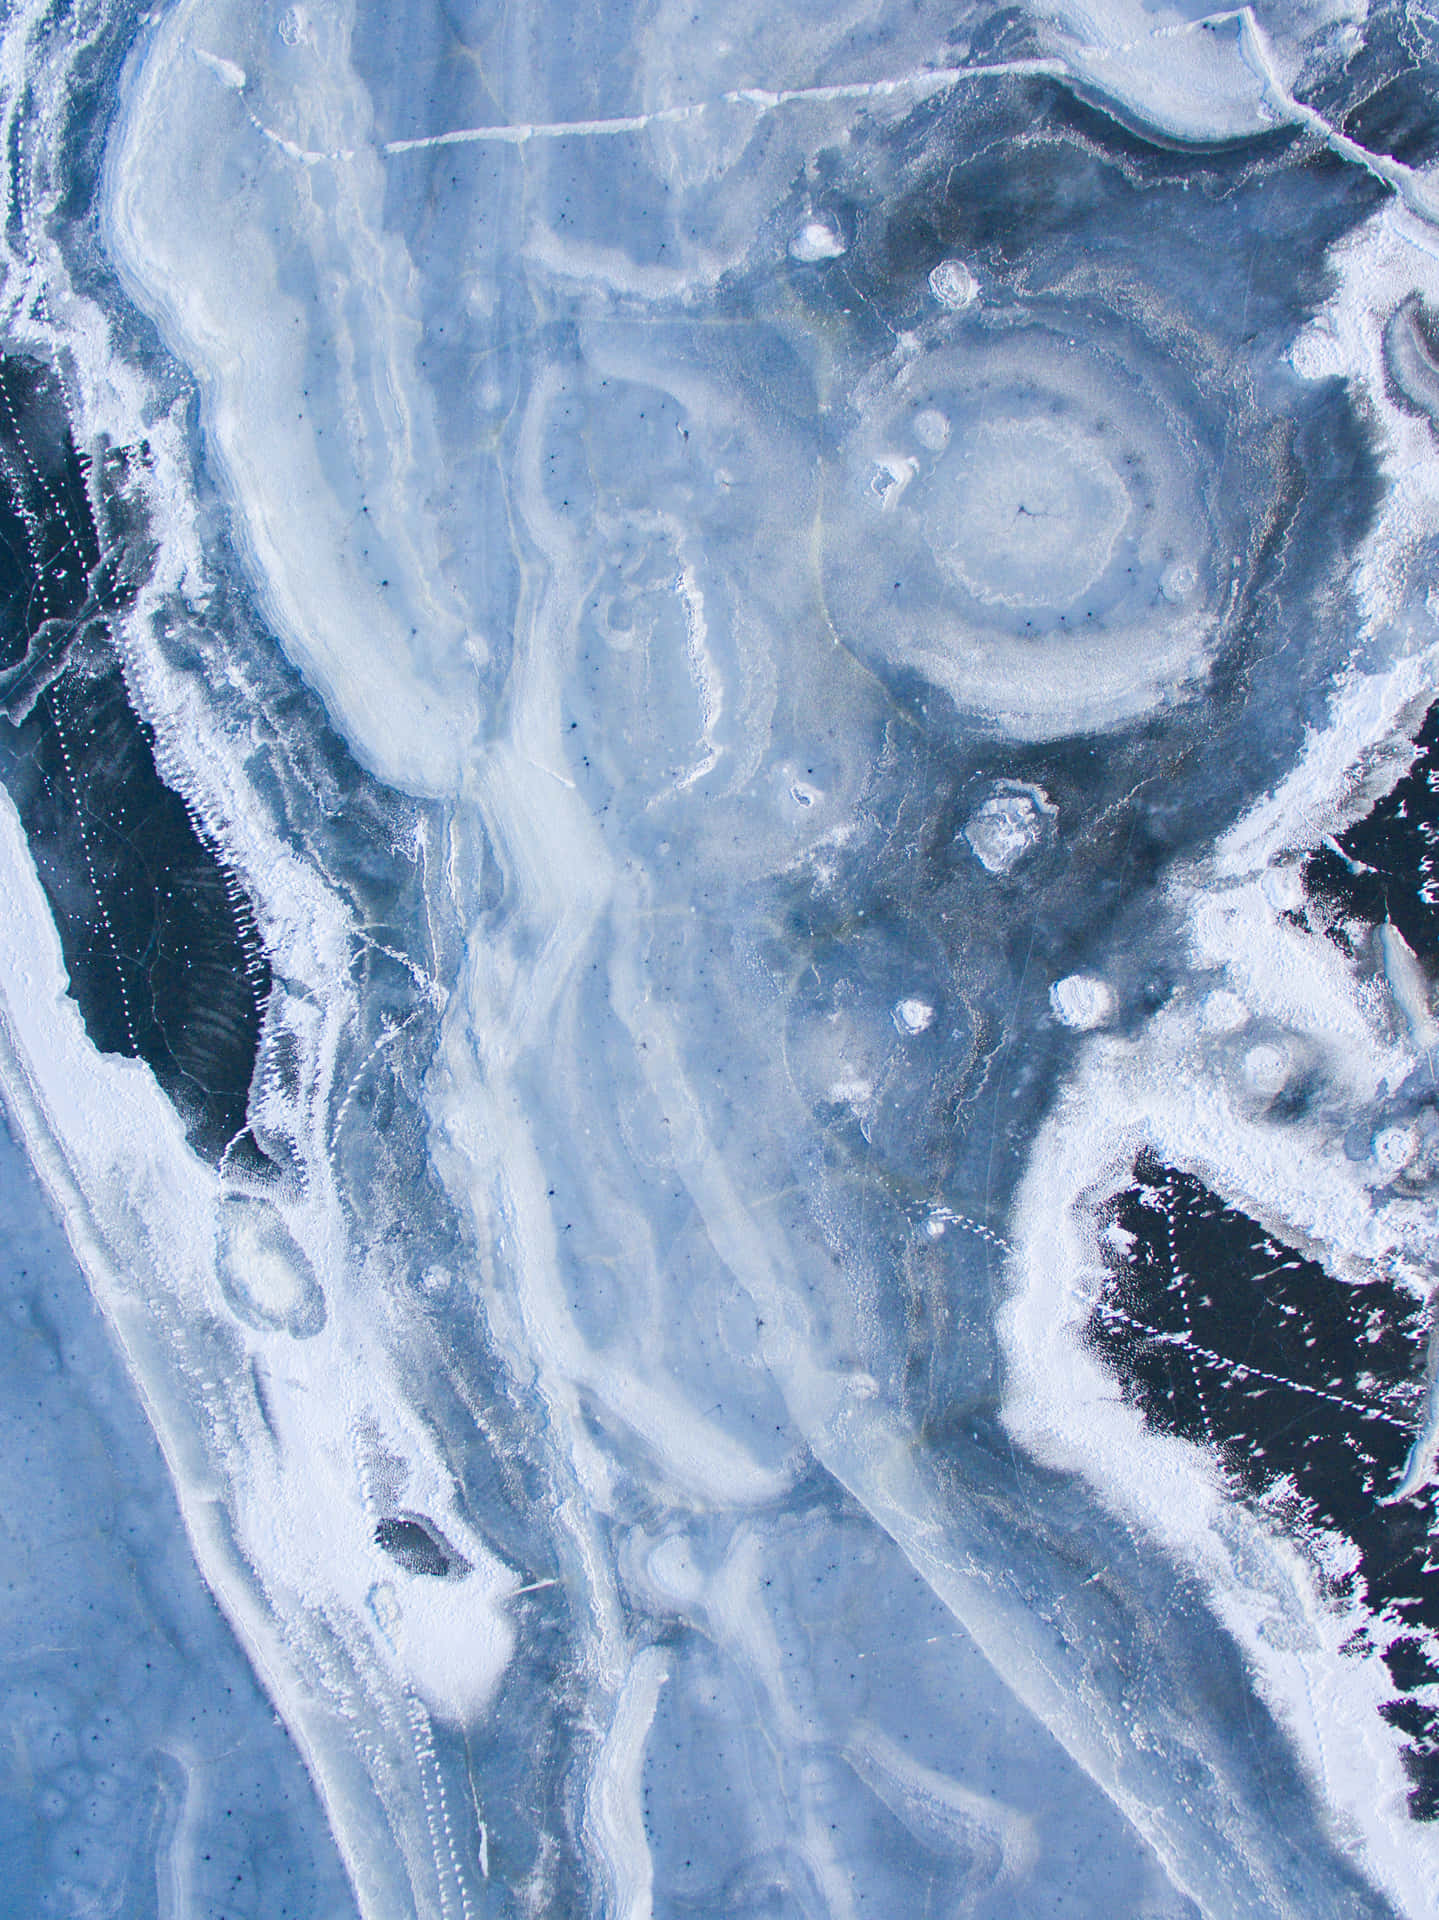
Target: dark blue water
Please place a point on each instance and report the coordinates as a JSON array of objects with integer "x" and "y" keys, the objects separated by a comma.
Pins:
[
  {"x": 1395, "y": 848},
  {"x": 1225, "y": 1337},
  {"x": 161, "y": 951}
]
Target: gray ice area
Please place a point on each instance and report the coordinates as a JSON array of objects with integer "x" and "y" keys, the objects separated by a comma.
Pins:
[{"x": 144, "y": 1771}]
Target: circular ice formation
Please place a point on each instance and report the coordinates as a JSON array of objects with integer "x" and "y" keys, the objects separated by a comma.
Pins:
[
  {"x": 1283, "y": 888},
  {"x": 953, "y": 285},
  {"x": 1032, "y": 517},
  {"x": 264, "y": 1273},
  {"x": 931, "y": 429},
  {"x": 1081, "y": 1001},
  {"x": 1266, "y": 1069},
  {"x": 1177, "y": 582},
  {"x": 1008, "y": 825},
  {"x": 913, "y": 1016},
  {"x": 816, "y": 240},
  {"x": 1050, "y": 561},
  {"x": 1394, "y": 1148},
  {"x": 673, "y": 1571}
]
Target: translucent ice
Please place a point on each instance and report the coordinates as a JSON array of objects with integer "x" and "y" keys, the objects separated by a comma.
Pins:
[{"x": 670, "y": 684}]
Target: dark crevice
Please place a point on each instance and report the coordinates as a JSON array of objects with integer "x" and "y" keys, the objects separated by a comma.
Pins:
[
  {"x": 1386, "y": 866},
  {"x": 1309, "y": 1391},
  {"x": 419, "y": 1548},
  {"x": 163, "y": 958}
]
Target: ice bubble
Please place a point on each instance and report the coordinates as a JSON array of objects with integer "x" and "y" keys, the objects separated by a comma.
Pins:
[
  {"x": 816, "y": 240},
  {"x": 1081, "y": 1001},
  {"x": 913, "y": 1016},
  {"x": 1178, "y": 581},
  {"x": 264, "y": 1273},
  {"x": 674, "y": 1572},
  {"x": 931, "y": 429},
  {"x": 1266, "y": 1068},
  {"x": 1394, "y": 1148},
  {"x": 1006, "y": 826},
  {"x": 892, "y": 474},
  {"x": 953, "y": 285},
  {"x": 1283, "y": 888}
]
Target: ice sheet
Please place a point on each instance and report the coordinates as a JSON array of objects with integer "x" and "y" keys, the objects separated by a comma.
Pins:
[{"x": 756, "y": 621}]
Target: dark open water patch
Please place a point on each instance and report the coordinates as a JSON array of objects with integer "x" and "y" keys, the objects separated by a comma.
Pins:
[
  {"x": 1308, "y": 1390},
  {"x": 1382, "y": 96},
  {"x": 159, "y": 943},
  {"x": 1387, "y": 864}
]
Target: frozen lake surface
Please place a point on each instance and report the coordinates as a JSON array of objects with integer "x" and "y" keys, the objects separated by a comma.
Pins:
[{"x": 718, "y": 829}]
